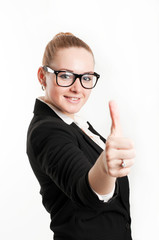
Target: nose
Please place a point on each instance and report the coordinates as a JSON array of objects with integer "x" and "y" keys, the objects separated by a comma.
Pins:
[{"x": 76, "y": 87}]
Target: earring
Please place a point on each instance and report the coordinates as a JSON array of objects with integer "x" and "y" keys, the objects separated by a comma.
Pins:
[{"x": 43, "y": 88}]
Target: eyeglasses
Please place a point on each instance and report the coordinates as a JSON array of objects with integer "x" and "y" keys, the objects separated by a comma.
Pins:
[{"x": 66, "y": 78}]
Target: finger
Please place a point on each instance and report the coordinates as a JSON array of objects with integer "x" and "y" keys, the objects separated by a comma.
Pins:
[
  {"x": 115, "y": 117},
  {"x": 117, "y": 164},
  {"x": 124, "y": 154},
  {"x": 119, "y": 171},
  {"x": 120, "y": 154},
  {"x": 119, "y": 143},
  {"x": 128, "y": 163}
]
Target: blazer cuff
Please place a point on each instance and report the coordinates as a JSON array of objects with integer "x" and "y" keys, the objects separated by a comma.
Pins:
[{"x": 90, "y": 198}]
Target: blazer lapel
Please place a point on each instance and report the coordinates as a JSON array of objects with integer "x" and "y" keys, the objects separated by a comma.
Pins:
[
  {"x": 88, "y": 139},
  {"x": 42, "y": 109}
]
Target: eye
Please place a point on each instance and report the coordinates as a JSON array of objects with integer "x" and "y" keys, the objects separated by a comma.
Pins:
[
  {"x": 87, "y": 78},
  {"x": 65, "y": 75}
]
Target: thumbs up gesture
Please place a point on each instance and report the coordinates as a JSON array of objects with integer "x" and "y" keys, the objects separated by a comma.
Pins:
[{"x": 119, "y": 151}]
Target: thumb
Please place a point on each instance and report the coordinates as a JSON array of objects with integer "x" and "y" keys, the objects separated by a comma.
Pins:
[{"x": 115, "y": 117}]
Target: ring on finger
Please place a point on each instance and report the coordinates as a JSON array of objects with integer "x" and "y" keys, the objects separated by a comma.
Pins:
[{"x": 123, "y": 164}]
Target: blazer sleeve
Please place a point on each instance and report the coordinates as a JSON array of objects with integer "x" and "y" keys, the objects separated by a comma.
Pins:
[{"x": 57, "y": 153}]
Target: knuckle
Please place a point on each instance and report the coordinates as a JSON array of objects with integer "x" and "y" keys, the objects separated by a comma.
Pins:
[
  {"x": 124, "y": 154},
  {"x": 120, "y": 175},
  {"x": 108, "y": 155},
  {"x": 110, "y": 141},
  {"x": 111, "y": 173},
  {"x": 111, "y": 166},
  {"x": 128, "y": 154},
  {"x": 109, "y": 144},
  {"x": 124, "y": 172}
]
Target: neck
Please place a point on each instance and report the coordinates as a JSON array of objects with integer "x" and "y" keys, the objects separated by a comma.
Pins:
[{"x": 48, "y": 102}]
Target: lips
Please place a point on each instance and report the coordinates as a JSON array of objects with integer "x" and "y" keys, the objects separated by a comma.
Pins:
[{"x": 72, "y": 99}]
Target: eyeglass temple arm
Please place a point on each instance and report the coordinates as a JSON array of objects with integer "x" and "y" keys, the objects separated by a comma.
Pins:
[{"x": 47, "y": 69}]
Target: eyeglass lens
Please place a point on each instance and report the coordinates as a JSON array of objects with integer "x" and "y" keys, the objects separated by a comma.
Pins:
[{"x": 66, "y": 79}]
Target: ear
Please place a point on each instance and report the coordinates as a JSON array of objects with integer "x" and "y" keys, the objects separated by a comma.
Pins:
[{"x": 41, "y": 76}]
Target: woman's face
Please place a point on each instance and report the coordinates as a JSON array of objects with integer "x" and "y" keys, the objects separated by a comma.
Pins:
[{"x": 69, "y": 99}]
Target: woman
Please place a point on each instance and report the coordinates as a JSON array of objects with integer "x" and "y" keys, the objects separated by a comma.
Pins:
[{"x": 84, "y": 184}]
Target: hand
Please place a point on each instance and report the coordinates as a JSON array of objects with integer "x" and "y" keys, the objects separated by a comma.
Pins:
[{"x": 118, "y": 148}]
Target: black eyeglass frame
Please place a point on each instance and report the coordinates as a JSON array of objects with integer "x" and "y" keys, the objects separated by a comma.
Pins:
[{"x": 48, "y": 69}]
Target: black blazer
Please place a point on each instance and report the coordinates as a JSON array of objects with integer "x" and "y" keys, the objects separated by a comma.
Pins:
[{"x": 61, "y": 156}]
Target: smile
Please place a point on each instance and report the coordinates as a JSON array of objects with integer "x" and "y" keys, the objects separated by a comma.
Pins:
[{"x": 72, "y": 99}]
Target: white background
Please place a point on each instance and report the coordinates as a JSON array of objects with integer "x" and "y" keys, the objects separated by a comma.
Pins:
[{"x": 124, "y": 36}]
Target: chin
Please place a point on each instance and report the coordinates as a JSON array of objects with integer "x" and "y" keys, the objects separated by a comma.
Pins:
[{"x": 72, "y": 110}]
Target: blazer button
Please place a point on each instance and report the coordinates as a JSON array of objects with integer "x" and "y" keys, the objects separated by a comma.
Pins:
[{"x": 127, "y": 226}]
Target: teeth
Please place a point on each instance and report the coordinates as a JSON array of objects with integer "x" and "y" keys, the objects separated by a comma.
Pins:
[{"x": 74, "y": 98}]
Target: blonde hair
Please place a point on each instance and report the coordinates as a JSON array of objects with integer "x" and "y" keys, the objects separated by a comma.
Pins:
[{"x": 62, "y": 40}]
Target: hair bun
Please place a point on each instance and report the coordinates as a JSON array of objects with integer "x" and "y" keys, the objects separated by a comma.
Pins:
[
  {"x": 60, "y": 41},
  {"x": 63, "y": 34}
]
